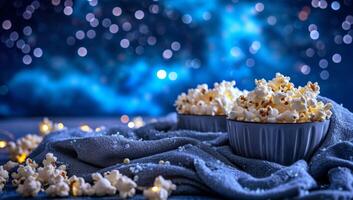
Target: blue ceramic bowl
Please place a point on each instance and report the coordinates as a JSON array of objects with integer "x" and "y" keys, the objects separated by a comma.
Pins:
[
  {"x": 202, "y": 123},
  {"x": 280, "y": 143}
]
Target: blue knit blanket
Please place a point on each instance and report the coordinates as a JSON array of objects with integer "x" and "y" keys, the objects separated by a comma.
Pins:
[{"x": 203, "y": 163}]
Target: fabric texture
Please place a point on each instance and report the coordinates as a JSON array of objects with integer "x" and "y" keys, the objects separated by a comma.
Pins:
[{"x": 204, "y": 163}]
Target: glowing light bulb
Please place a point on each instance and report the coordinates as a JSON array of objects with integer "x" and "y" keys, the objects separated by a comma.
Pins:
[
  {"x": 3, "y": 144},
  {"x": 85, "y": 128},
  {"x": 45, "y": 126},
  {"x": 155, "y": 189},
  {"x": 60, "y": 126},
  {"x": 21, "y": 158}
]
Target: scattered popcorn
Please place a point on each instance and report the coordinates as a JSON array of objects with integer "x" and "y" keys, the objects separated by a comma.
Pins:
[
  {"x": 102, "y": 186},
  {"x": 126, "y": 187},
  {"x": 161, "y": 189},
  {"x": 155, "y": 193},
  {"x": 205, "y": 101},
  {"x": 50, "y": 159},
  {"x": 126, "y": 161},
  {"x": 49, "y": 172},
  {"x": 166, "y": 184},
  {"x": 279, "y": 101},
  {"x": 4, "y": 177},
  {"x": 23, "y": 173},
  {"x": 123, "y": 184},
  {"x": 79, "y": 187},
  {"x": 113, "y": 177},
  {"x": 10, "y": 165},
  {"x": 20, "y": 149},
  {"x": 31, "y": 163},
  {"x": 59, "y": 188},
  {"x": 30, "y": 187}
]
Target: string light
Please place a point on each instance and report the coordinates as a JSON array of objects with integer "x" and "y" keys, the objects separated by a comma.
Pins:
[
  {"x": 155, "y": 189},
  {"x": 138, "y": 122},
  {"x": 3, "y": 144},
  {"x": 21, "y": 158},
  {"x": 45, "y": 126},
  {"x": 85, "y": 128},
  {"x": 60, "y": 126}
]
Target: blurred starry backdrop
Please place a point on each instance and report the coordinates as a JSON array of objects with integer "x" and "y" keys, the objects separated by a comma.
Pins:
[{"x": 103, "y": 57}]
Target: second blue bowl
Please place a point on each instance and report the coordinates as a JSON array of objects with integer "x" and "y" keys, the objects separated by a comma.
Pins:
[
  {"x": 280, "y": 143},
  {"x": 202, "y": 123}
]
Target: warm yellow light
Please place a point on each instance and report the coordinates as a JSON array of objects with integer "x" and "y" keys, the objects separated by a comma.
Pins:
[
  {"x": 85, "y": 128},
  {"x": 21, "y": 158},
  {"x": 155, "y": 189},
  {"x": 138, "y": 121},
  {"x": 60, "y": 126},
  {"x": 3, "y": 144},
  {"x": 45, "y": 126},
  {"x": 75, "y": 188}
]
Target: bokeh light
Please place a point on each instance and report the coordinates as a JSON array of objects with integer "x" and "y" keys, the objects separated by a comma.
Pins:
[{"x": 134, "y": 57}]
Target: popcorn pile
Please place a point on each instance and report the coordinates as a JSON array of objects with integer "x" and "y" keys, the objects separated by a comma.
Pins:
[
  {"x": 20, "y": 149},
  {"x": 4, "y": 176},
  {"x": 30, "y": 179},
  {"x": 53, "y": 180},
  {"x": 205, "y": 101},
  {"x": 278, "y": 101}
]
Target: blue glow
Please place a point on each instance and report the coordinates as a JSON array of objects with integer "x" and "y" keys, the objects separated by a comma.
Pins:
[{"x": 215, "y": 38}]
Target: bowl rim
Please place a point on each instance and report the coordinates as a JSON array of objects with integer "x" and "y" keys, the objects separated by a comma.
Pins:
[{"x": 274, "y": 123}]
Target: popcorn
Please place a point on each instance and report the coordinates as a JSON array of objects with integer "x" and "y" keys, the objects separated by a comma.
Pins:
[
  {"x": 166, "y": 184},
  {"x": 23, "y": 172},
  {"x": 46, "y": 174},
  {"x": 102, "y": 186},
  {"x": 10, "y": 165},
  {"x": 161, "y": 189},
  {"x": 126, "y": 161},
  {"x": 49, "y": 173},
  {"x": 205, "y": 101},
  {"x": 155, "y": 193},
  {"x": 59, "y": 188},
  {"x": 123, "y": 184},
  {"x": 30, "y": 187},
  {"x": 50, "y": 159},
  {"x": 24, "y": 146},
  {"x": 113, "y": 176},
  {"x": 126, "y": 187},
  {"x": 4, "y": 177},
  {"x": 278, "y": 101},
  {"x": 79, "y": 187}
]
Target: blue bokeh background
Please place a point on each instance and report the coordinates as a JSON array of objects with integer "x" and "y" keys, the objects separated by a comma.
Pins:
[{"x": 102, "y": 57}]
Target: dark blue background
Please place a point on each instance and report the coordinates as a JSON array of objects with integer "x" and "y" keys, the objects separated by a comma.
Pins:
[{"x": 209, "y": 41}]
